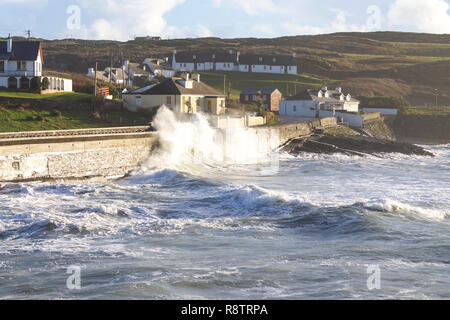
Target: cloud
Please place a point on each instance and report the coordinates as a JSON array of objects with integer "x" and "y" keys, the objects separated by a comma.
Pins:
[
  {"x": 338, "y": 24},
  {"x": 251, "y": 7},
  {"x": 427, "y": 16},
  {"x": 123, "y": 19}
]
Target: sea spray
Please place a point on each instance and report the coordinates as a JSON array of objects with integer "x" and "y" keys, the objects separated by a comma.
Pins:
[{"x": 192, "y": 141}]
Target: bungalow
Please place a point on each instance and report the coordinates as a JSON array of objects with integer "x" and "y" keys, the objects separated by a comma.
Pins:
[
  {"x": 268, "y": 64},
  {"x": 230, "y": 61},
  {"x": 309, "y": 103},
  {"x": 182, "y": 95},
  {"x": 21, "y": 61},
  {"x": 271, "y": 97}
]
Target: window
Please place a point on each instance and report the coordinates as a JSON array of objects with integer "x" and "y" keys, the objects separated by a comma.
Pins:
[
  {"x": 246, "y": 97},
  {"x": 139, "y": 101},
  {"x": 294, "y": 108},
  {"x": 169, "y": 100},
  {"x": 2, "y": 66},
  {"x": 21, "y": 65},
  {"x": 198, "y": 103}
]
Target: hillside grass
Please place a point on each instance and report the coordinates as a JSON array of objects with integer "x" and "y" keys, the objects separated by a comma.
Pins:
[
  {"x": 62, "y": 96},
  {"x": 427, "y": 111},
  {"x": 287, "y": 84},
  {"x": 36, "y": 119}
]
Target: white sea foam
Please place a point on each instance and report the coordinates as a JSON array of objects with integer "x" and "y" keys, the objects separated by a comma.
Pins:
[{"x": 393, "y": 206}]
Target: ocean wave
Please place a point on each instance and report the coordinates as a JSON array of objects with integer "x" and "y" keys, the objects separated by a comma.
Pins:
[{"x": 394, "y": 206}]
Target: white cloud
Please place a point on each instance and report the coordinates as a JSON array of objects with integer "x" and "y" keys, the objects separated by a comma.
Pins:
[
  {"x": 251, "y": 7},
  {"x": 427, "y": 16},
  {"x": 338, "y": 24},
  {"x": 123, "y": 19}
]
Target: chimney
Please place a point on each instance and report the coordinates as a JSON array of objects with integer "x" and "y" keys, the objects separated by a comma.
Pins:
[
  {"x": 294, "y": 55},
  {"x": 9, "y": 44},
  {"x": 339, "y": 89},
  {"x": 196, "y": 77}
]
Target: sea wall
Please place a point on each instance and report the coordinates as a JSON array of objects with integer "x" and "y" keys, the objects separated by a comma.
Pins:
[
  {"x": 98, "y": 154},
  {"x": 73, "y": 157}
]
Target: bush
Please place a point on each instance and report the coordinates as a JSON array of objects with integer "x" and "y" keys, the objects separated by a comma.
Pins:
[
  {"x": 39, "y": 118},
  {"x": 97, "y": 116},
  {"x": 56, "y": 113},
  {"x": 45, "y": 84},
  {"x": 36, "y": 84}
]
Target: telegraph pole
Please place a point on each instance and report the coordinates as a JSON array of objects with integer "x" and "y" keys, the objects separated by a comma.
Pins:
[
  {"x": 224, "y": 84},
  {"x": 95, "y": 81}
]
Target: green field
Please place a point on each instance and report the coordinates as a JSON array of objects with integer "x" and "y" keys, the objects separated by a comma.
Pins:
[
  {"x": 241, "y": 80},
  {"x": 13, "y": 119},
  {"x": 63, "y": 96}
]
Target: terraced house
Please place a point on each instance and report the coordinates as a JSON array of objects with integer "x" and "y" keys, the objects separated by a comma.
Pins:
[
  {"x": 21, "y": 61},
  {"x": 234, "y": 61}
]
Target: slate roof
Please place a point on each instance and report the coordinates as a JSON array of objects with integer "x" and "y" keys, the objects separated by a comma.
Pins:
[
  {"x": 310, "y": 94},
  {"x": 21, "y": 50},
  {"x": 255, "y": 91},
  {"x": 202, "y": 57},
  {"x": 269, "y": 60},
  {"x": 172, "y": 86},
  {"x": 137, "y": 68},
  {"x": 244, "y": 59}
]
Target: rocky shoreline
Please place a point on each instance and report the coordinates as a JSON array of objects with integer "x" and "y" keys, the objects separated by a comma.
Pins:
[{"x": 351, "y": 145}]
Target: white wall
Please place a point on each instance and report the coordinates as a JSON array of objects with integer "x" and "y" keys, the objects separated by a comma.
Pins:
[
  {"x": 384, "y": 111},
  {"x": 225, "y": 66},
  {"x": 353, "y": 120},
  {"x": 4, "y": 82},
  {"x": 303, "y": 108}
]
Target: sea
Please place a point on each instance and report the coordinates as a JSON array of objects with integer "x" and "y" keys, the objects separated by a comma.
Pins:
[{"x": 229, "y": 216}]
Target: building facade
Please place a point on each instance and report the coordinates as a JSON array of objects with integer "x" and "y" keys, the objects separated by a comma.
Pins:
[
  {"x": 231, "y": 61},
  {"x": 271, "y": 98},
  {"x": 21, "y": 62},
  {"x": 309, "y": 103},
  {"x": 182, "y": 95}
]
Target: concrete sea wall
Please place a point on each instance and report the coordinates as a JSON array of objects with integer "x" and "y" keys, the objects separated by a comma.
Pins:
[
  {"x": 74, "y": 157},
  {"x": 97, "y": 154}
]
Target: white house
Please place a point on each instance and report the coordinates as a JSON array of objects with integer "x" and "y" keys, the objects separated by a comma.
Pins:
[
  {"x": 309, "y": 102},
  {"x": 182, "y": 95},
  {"x": 21, "y": 61},
  {"x": 159, "y": 67},
  {"x": 230, "y": 61},
  {"x": 118, "y": 76}
]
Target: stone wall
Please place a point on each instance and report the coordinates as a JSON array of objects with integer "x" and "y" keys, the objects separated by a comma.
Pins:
[{"x": 64, "y": 158}]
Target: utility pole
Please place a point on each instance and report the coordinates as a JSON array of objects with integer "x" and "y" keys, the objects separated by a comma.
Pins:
[
  {"x": 224, "y": 84},
  {"x": 110, "y": 67},
  {"x": 29, "y": 34},
  {"x": 436, "y": 94},
  {"x": 95, "y": 80}
]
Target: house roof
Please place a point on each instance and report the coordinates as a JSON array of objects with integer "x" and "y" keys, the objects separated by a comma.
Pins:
[
  {"x": 172, "y": 86},
  {"x": 269, "y": 60},
  {"x": 159, "y": 64},
  {"x": 255, "y": 91},
  {"x": 195, "y": 57},
  {"x": 309, "y": 94},
  {"x": 137, "y": 68},
  {"x": 21, "y": 50}
]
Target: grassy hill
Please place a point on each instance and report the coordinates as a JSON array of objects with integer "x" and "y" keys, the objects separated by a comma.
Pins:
[{"x": 412, "y": 65}]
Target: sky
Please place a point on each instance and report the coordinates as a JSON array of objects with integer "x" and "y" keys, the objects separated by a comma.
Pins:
[{"x": 125, "y": 19}]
